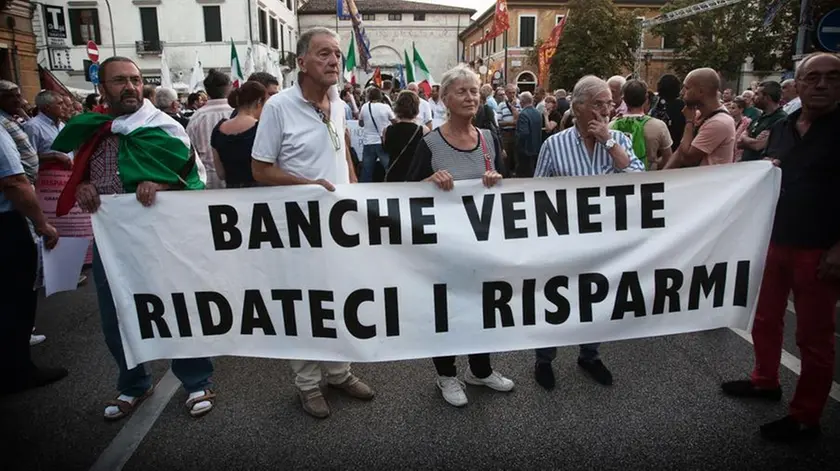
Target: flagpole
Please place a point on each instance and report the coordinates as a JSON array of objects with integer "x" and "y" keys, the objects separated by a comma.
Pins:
[{"x": 506, "y": 59}]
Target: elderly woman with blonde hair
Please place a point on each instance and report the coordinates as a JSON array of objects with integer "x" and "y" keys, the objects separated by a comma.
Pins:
[{"x": 457, "y": 150}]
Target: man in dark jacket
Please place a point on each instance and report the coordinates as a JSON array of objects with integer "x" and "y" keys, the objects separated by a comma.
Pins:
[{"x": 528, "y": 136}]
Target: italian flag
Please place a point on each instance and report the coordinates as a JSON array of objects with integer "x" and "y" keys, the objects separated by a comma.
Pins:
[
  {"x": 409, "y": 68},
  {"x": 152, "y": 147},
  {"x": 350, "y": 62},
  {"x": 235, "y": 70},
  {"x": 421, "y": 72}
]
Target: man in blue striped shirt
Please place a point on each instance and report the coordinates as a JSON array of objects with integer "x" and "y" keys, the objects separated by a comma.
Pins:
[{"x": 587, "y": 148}]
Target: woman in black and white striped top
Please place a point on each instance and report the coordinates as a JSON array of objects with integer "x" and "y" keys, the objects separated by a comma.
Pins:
[{"x": 457, "y": 150}]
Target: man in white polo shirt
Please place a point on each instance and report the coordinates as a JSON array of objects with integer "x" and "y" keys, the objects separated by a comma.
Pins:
[{"x": 300, "y": 141}]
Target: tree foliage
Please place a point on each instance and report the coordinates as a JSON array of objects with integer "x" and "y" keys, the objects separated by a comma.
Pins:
[
  {"x": 598, "y": 39},
  {"x": 722, "y": 39}
]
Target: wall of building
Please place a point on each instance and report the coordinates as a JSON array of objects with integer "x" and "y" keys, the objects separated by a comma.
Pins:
[
  {"x": 546, "y": 19},
  {"x": 17, "y": 48},
  {"x": 181, "y": 29},
  {"x": 436, "y": 39}
]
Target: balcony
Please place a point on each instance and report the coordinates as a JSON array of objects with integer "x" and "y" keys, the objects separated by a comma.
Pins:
[{"x": 148, "y": 47}]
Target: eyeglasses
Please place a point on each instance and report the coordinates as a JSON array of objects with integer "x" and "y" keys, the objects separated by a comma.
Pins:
[
  {"x": 334, "y": 137},
  {"x": 832, "y": 78},
  {"x": 601, "y": 105},
  {"x": 122, "y": 80}
]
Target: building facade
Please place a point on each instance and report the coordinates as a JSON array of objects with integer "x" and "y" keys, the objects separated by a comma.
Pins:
[
  {"x": 18, "y": 62},
  {"x": 393, "y": 28},
  {"x": 533, "y": 20},
  {"x": 143, "y": 29}
]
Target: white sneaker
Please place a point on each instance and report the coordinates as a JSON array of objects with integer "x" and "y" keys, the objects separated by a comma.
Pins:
[
  {"x": 452, "y": 390},
  {"x": 494, "y": 381},
  {"x": 35, "y": 339}
]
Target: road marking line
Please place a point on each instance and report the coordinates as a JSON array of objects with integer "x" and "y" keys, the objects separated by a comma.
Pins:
[
  {"x": 791, "y": 362},
  {"x": 124, "y": 445}
]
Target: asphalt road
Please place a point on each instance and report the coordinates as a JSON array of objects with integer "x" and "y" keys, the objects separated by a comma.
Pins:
[{"x": 664, "y": 411}]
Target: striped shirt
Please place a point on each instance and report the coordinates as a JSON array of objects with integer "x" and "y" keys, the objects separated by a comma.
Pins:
[
  {"x": 565, "y": 155},
  {"x": 435, "y": 153},
  {"x": 200, "y": 130},
  {"x": 28, "y": 154},
  {"x": 506, "y": 115}
]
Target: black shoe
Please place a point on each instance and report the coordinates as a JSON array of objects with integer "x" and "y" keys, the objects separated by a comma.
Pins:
[
  {"x": 745, "y": 389},
  {"x": 544, "y": 375},
  {"x": 789, "y": 430},
  {"x": 597, "y": 371}
]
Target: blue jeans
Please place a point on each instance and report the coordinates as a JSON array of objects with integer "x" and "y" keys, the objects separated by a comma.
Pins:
[
  {"x": 588, "y": 352},
  {"x": 194, "y": 373},
  {"x": 370, "y": 153}
]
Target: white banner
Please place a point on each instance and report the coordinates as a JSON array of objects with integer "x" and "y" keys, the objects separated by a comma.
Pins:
[{"x": 393, "y": 271}]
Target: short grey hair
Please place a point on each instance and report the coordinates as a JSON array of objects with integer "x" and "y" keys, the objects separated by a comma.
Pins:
[
  {"x": 45, "y": 98},
  {"x": 306, "y": 39},
  {"x": 526, "y": 99},
  {"x": 587, "y": 87},
  {"x": 788, "y": 82},
  {"x": 459, "y": 72},
  {"x": 617, "y": 80},
  {"x": 7, "y": 86},
  {"x": 165, "y": 97}
]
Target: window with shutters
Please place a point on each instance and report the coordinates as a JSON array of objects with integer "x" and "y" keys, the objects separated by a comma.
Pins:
[
  {"x": 84, "y": 25},
  {"x": 527, "y": 30},
  {"x": 290, "y": 4},
  {"x": 283, "y": 40},
  {"x": 149, "y": 25},
  {"x": 213, "y": 23},
  {"x": 275, "y": 43},
  {"x": 419, "y": 17},
  {"x": 263, "y": 19},
  {"x": 368, "y": 17},
  {"x": 394, "y": 16}
]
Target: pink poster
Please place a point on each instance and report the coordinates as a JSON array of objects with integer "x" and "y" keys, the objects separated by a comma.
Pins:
[{"x": 51, "y": 180}]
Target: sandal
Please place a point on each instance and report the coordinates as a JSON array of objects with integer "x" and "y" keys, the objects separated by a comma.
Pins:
[
  {"x": 208, "y": 396},
  {"x": 126, "y": 408}
]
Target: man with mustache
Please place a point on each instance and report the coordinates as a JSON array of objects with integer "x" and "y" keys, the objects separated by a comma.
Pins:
[
  {"x": 589, "y": 147},
  {"x": 709, "y": 136},
  {"x": 136, "y": 148}
]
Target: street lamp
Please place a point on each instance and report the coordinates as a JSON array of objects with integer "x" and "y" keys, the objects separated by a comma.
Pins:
[
  {"x": 111, "y": 19},
  {"x": 648, "y": 56}
]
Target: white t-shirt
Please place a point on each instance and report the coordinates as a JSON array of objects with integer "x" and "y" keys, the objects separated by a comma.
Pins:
[
  {"x": 292, "y": 135},
  {"x": 425, "y": 114},
  {"x": 438, "y": 109},
  {"x": 378, "y": 113}
]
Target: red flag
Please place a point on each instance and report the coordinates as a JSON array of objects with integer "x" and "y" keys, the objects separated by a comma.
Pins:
[
  {"x": 501, "y": 20},
  {"x": 427, "y": 89},
  {"x": 501, "y": 23},
  {"x": 377, "y": 77},
  {"x": 548, "y": 49}
]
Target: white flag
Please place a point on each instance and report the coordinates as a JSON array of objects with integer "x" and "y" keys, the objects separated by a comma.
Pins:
[
  {"x": 165, "y": 75},
  {"x": 197, "y": 76}
]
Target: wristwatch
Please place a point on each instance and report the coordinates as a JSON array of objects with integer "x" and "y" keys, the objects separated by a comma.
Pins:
[{"x": 609, "y": 144}]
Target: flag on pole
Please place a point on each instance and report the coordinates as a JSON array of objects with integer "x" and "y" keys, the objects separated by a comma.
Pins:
[
  {"x": 359, "y": 33},
  {"x": 548, "y": 49},
  {"x": 501, "y": 23},
  {"x": 235, "y": 70},
  {"x": 401, "y": 76},
  {"x": 350, "y": 62},
  {"x": 197, "y": 76},
  {"x": 421, "y": 73},
  {"x": 409, "y": 68},
  {"x": 165, "y": 75}
]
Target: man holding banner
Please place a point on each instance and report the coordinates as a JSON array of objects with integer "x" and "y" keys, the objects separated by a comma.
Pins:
[
  {"x": 136, "y": 148},
  {"x": 300, "y": 141},
  {"x": 587, "y": 148}
]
